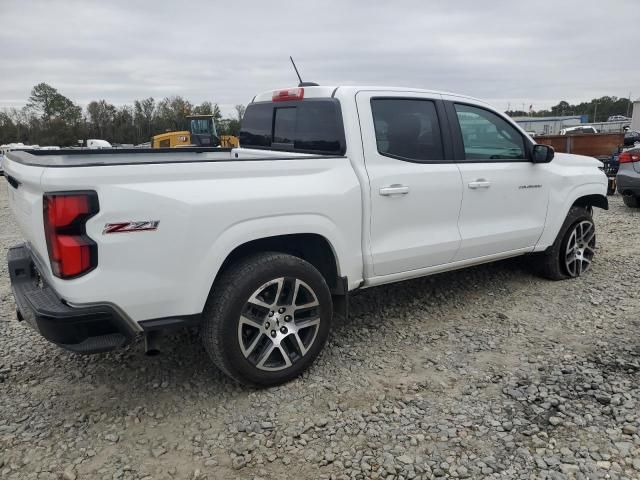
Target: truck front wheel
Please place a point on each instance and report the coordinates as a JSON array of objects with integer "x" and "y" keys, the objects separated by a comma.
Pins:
[
  {"x": 572, "y": 253},
  {"x": 267, "y": 318}
]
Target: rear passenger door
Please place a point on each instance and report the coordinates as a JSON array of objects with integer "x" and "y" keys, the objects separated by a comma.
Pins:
[
  {"x": 505, "y": 195},
  {"x": 415, "y": 187}
]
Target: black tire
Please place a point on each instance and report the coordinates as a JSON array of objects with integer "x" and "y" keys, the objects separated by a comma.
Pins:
[
  {"x": 632, "y": 201},
  {"x": 551, "y": 262},
  {"x": 221, "y": 324},
  {"x": 611, "y": 186}
]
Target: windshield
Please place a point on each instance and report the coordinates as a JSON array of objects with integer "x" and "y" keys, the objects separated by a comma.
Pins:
[{"x": 202, "y": 126}]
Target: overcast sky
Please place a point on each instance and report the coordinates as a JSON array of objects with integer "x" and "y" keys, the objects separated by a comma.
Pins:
[{"x": 537, "y": 52}]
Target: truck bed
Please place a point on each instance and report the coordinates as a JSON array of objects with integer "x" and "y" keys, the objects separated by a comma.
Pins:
[
  {"x": 141, "y": 156},
  {"x": 206, "y": 202}
]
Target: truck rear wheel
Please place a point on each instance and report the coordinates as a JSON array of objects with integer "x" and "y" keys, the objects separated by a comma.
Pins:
[
  {"x": 267, "y": 319},
  {"x": 572, "y": 253}
]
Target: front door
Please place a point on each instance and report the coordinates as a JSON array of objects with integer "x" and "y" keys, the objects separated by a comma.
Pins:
[
  {"x": 415, "y": 187},
  {"x": 505, "y": 196}
]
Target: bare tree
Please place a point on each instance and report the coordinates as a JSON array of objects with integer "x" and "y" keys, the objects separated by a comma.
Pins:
[{"x": 240, "y": 109}]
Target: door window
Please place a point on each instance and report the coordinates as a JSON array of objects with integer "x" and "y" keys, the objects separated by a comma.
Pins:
[
  {"x": 487, "y": 136},
  {"x": 407, "y": 129}
]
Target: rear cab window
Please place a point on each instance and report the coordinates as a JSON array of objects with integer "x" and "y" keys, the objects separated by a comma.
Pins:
[
  {"x": 407, "y": 129},
  {"x": 306, "y": 126}
]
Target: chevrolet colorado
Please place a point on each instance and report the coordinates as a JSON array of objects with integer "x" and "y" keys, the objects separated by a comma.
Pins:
[{"x": 334, "y": 189}]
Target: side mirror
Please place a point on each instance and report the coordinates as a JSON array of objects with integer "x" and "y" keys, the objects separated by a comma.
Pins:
[{"x": 542, "y": 154}]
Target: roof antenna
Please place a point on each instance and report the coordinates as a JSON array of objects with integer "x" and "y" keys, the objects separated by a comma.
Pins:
[{"x": 301, "y": 84}]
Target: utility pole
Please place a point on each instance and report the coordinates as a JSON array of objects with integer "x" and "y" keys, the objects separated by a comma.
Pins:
[
  {"x": 595, "y": 113},
  {"x": 629, "y": 104}
]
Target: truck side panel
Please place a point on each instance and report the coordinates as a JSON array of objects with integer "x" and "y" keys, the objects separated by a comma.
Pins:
[{"x": 204, "y": 210}]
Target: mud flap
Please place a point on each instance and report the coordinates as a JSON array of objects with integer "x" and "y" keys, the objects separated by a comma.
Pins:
[{"x": 340, "y": 299}]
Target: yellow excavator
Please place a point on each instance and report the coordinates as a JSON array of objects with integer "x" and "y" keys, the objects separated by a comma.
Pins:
[{"x": 202, "y": 133}]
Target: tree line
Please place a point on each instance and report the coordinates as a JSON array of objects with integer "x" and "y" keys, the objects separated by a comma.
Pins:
[
  {"x": 50, "y": 118},
  {"x": 597, "y": 110}
]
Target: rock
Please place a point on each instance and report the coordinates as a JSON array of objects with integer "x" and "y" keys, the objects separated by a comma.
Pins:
[
  {"x": 239, "y": 462},
  {"x": 322, "y": 422},
  {"x": 69, "y": 474},
  {"x": 603, "y": 398},
  {"x": 158, "y": 451},
  {"x": 569, "y": 469},
  {"x": 555, "y": 421},
  {"x": 406, "y": 459}
]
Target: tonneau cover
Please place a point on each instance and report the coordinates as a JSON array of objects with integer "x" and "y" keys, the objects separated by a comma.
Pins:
[
  {"x": 145, "y": 156},
  {"x": 119, "y": 156}
]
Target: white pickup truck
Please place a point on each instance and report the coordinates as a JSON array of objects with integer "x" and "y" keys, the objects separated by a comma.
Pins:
[{"x": 334, "y": 189}]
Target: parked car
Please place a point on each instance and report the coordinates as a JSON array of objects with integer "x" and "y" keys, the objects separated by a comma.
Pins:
[
  {"x": 334, "y": 189},
  {"x": 628, "y": 178},
  {"x": 618, "y": 118},
  {"x": 582, "y": 129},
  {"x": 96, "y": 143},
  {"x": 631, "y": 137}
]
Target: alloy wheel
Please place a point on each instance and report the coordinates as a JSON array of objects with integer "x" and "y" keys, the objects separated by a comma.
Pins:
[
  {"x": 279, "y": 323},
  {"x": 580, "y": 248}
]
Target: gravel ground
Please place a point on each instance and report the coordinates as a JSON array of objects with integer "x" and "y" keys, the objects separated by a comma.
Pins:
[{"x": 484, "y": 373}]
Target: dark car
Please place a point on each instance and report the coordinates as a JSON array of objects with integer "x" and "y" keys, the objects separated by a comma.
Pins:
[
  {"x": 631, "y": 137},
  {"x": 628, "y": 178}
]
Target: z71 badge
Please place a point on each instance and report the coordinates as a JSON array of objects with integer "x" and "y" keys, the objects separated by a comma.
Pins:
[{"x": 128, "y": 227}]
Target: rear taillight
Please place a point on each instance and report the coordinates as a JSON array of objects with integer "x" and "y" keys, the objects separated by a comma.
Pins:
[
  {"x": 71, "y": 252},
  {"x": 288, "y": 94},
  {"x": 629, "y": 157}
]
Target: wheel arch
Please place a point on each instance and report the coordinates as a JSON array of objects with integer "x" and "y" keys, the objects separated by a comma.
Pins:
[
  {"x": 592, "y": 200},
  {"x": 311, "y": 247},
  {"x": 583, "y": 195}
]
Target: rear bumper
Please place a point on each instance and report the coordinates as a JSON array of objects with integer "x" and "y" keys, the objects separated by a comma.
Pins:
[
  {"x": 628, "y": 181},
  {"x": 90, "y": 329}
]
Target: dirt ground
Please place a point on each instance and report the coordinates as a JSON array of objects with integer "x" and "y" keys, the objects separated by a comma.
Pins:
[{"x": 489, "y": 372}]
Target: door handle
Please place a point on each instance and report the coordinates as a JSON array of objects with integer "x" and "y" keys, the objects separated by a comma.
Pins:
[
  {"x": 395, "y": 189},
  {"x": 480, "y": 183}
]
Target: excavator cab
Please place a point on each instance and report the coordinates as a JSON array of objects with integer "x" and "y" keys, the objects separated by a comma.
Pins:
[{"x": 203, "y": 131}]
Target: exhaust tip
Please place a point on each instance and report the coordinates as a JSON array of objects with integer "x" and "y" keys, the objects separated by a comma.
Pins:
[{"x": 151, "y": 344}]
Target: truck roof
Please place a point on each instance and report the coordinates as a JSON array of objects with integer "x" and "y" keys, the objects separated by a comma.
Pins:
[{"x": 349, "y": 90}]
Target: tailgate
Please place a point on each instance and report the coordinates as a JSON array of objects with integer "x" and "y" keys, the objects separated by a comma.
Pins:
[{"x": 25, "y": 202}]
